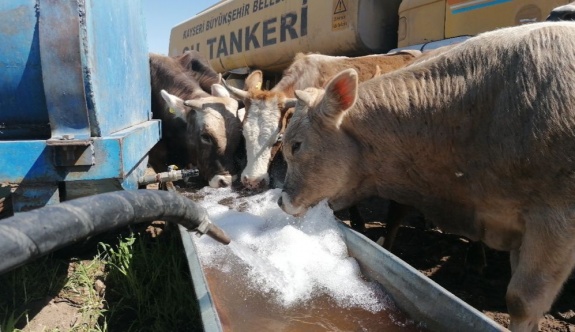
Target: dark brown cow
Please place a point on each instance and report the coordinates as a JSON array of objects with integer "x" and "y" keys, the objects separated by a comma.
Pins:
[
  {"x": 562, "y": 13},
  {"x": 199, "y": 68},
  {"x": 203, "y": 132},
  {"x": 480, "y": 139}
]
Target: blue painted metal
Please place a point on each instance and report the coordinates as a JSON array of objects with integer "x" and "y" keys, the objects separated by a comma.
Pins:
[
  {"x": 23, "y": 112},
  {"x": 29, "y": 196},
  {"x": 414, "y": 293},
  {"x": 115, "y": 157},
  {"x": 98, "y": 44},
  {"x": 116, "y": 57},
  {"x": 74, "y": 97},
  {"x": 60, "y": 55}
]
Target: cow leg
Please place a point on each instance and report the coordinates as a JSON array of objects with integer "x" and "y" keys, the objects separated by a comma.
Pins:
[
  {"x": 543, "y": 263},
  {"x": 395, "y": 215},
  {"x": 514, "y": 260},
  {"x": 475, "y": 260},
  {"x": 356, "y": 220},
  {"x": 392, "y": 224}
]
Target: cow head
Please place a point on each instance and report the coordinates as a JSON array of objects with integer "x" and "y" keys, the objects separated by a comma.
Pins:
[
  {"x": 321, "y": 157},
  {"x": 213, "y": 133},
  {"x": 563, "y": 13},
  {"x": 265, "y": 118}
]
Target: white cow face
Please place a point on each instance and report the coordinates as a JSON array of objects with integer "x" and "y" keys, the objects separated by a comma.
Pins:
[{"x": 262, "y": 125}]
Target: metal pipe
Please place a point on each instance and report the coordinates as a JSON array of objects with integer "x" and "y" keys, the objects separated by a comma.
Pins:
[
  {"x": 29, "y": 235},
  {"x": 169, "y": 176}
]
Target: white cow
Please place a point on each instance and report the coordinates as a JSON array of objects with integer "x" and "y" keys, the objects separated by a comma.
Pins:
[
  {"x": 267, "y": 111},
  {"x": 480, "y": 139}
]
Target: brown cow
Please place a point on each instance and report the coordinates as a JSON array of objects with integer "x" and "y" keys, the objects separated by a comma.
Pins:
[
  {"x": 203, "y": 132},
  {"x": 262, "y": 125},
  {"x": 480, "y": 139},
  {"x": 199, "y": 69}
]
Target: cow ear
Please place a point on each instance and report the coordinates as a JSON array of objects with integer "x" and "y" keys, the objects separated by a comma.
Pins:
[
  {"x": 254, "y": 80},
  {"x": 340, "y": 95},
  {"x": 194, "y": 104},
  {"x": 175, "y": 104},
  {"x": 220, "y": 91}
]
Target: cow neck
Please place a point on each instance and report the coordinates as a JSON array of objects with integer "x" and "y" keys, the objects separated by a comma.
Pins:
[{"x": 403, "y": 103}]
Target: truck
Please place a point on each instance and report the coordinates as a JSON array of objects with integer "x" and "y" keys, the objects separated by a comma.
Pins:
[{"x": 241, "y": 35}]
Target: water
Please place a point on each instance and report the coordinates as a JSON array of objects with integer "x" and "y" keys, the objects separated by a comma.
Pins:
[{"x": 282, "y": 273}]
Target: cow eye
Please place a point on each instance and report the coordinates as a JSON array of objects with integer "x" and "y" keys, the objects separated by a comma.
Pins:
[
  {"x": 206, "y": 138},
  {"x": 295, "y": 147}
]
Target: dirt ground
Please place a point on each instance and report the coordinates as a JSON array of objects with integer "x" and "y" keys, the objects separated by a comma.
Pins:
[{"x": 442, "y": 258}]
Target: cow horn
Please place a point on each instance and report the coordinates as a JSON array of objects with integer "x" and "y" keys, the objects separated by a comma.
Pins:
[
  {"x": 236, "y": 93},
  {"x": 194, "y": 104},
  {"x": 304, "y": 96}
]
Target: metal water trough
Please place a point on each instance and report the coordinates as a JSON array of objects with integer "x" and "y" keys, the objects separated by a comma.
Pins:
[{"x": 414, "y": 293}]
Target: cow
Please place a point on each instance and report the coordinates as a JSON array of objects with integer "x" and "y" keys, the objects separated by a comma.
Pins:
[
  {"x": 198, "y": 129},
  {"x": 480, "y": 139},
  {"x": 199, "y": 69},
  {"x": 266, "y": 111},
  {"x": 562, "y": 13}
]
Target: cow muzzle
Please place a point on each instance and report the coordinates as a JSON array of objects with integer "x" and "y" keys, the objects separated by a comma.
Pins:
[
  {"x": 285, "y": 204},
  {"x": 221, "y": 181},
  {"x": 255, "y": 182}
]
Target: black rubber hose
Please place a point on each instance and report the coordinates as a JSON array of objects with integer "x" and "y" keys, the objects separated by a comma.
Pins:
[{"x": 29, "y": 235}]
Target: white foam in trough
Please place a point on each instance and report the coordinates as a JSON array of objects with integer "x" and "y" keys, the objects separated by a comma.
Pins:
[{"x": 295, "y": 259}]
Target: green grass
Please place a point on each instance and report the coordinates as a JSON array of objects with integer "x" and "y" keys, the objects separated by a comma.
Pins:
[
  {"x": 147, "y": 286},
  {"x": 150, "y": 286}
]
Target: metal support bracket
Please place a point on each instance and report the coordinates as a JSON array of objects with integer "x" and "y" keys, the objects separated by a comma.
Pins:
[{"x": 71, "y": 152}]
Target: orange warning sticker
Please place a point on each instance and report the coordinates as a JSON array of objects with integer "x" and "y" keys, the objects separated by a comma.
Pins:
[{"x": 339, "y": 18}]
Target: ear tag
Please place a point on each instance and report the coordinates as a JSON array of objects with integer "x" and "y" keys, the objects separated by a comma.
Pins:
[
  {"x": 176, "y": 113},
  {"x": 259, "y": 86}
]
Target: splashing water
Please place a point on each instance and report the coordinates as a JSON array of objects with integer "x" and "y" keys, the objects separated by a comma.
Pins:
[
  {"x": 292, "y": 258},
  {"x": 260, "y": 265},
  {"x": 282, "y": 273}
]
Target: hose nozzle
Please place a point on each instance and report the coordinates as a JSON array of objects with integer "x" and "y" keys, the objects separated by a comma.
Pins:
[{"x": 215, "y": 232}]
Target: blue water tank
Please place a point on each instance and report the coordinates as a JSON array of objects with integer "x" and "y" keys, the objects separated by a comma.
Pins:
[{"x": 72, "y": 67}]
